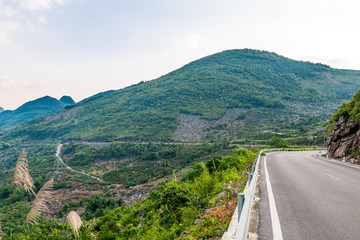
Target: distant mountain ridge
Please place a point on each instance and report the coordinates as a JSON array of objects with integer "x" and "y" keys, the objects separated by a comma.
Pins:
[
  {"x": 32, "y": 109},
  {"x": 226, "y": 94}
]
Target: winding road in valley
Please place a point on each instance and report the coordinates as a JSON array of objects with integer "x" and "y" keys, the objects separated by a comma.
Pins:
[
  {"x": 310, "y": 198},
  {"x": 58, "y": 151}
]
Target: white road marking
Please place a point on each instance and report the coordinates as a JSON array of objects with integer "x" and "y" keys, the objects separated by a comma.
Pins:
[
  {"x": 276, "y": 227},
  {"x": 337, "y": 162}
]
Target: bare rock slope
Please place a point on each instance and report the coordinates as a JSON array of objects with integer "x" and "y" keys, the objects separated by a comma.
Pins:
[{"x": 345, "y": 138}]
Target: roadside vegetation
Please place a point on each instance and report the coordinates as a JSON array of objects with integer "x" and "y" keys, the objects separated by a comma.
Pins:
[
  {"x": 347, "y": 110},
  {"x": 167, "y": 213}
]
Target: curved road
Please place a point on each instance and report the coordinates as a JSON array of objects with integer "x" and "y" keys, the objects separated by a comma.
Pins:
[
  {"x": 314, "y": 198},
  {"x": 58, "y": 151}
]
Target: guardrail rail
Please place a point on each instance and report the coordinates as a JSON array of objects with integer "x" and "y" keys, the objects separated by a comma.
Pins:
[{"x": 245, "y": 200}]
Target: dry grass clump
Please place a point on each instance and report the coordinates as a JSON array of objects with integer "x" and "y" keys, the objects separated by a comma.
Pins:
[
  {"x": 75, "y": 222},
  {"x": 22, "y": 177},
  {"x": 39, "y": 204},
  {"x": 1, "y": 233}
]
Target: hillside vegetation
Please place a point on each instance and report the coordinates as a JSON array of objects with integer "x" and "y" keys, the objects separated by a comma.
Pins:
[
  {"x": 347, "y": 110},
  {"x": 131, "y": 164},
  {"x": 167, "y": 213},
  {"x": 121, "y": 166},
  {"x": 208, "y": 88}
]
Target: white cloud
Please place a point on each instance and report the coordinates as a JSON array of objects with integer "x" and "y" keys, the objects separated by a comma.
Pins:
[
  {"x": 13, "y": 91},
  {"x": 6, "y": 81},
  {"x": 188, "y": 41},
  {"x": 13, "y": 17},
  {"x": 7, "y": 28},
  {"x": 7, "y": 11},
  {"x": 32, "y": 5},
  {"x": 31, "y": 27},
  {"x": 42, "y": 20}
]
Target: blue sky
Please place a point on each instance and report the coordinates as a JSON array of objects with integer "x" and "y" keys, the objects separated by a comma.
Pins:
[{"x": 82, "y": 47}]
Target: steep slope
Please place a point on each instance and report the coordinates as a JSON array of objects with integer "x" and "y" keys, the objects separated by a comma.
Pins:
[
  {"x": 344, "y": 129},
  {"x": 235, "y": 90},
  {"x": 67, "y": 100},
  {"x": 30, "y": 110}
]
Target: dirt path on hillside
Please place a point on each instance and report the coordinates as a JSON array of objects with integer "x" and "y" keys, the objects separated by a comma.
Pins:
[{"x": 58, "y": 151}]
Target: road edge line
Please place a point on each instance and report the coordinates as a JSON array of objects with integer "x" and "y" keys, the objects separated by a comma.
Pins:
[{"x": 275, "y": 222}]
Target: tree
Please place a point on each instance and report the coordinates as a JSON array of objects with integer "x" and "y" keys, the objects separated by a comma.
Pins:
[{"x": 277, "y": 142}]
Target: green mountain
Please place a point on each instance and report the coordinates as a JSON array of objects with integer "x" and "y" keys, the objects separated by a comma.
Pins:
[
  {"x": 30, "y": 110},
  {"x": 67, "y": 100},
  {"x": 235, "y": 94}
]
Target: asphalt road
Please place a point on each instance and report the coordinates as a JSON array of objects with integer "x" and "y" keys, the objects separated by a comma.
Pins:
[{"x": 315, "y": 199}]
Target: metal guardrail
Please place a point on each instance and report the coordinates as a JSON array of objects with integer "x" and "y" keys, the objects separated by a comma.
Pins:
[{"x": 245, "y": 200}]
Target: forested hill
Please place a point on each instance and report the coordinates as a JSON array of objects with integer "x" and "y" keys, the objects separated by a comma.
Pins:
[{"x": 206, "y": 89}]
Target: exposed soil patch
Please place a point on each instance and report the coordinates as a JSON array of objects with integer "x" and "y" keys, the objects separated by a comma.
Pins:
[{"x": 223, "y": 212}]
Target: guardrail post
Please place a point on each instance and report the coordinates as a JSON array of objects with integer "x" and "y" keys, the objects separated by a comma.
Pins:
[
  {"x": 241, "y": 199},
  {"x": 250, "y": 177}
]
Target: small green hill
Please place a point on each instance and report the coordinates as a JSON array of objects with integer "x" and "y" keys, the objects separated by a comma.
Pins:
[
  {"x": 30, "y": 110},
  {"x": 67, "y": 100},
  {"x": 276, "y": 89}
]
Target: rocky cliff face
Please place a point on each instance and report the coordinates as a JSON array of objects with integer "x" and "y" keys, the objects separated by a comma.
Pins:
[{"x": 344, "y": 137}]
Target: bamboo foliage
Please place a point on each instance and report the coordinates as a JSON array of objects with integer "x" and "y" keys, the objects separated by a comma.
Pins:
[
  {"x": 22, "y": 177},
  {"x": 75, "y": 222},
  {"x": 39, "y": 204}
]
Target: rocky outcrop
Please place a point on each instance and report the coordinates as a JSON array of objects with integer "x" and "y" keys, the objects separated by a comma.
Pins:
[
  {"x": 345, "y": 136},
  {"x": 193, "y": 128}
]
